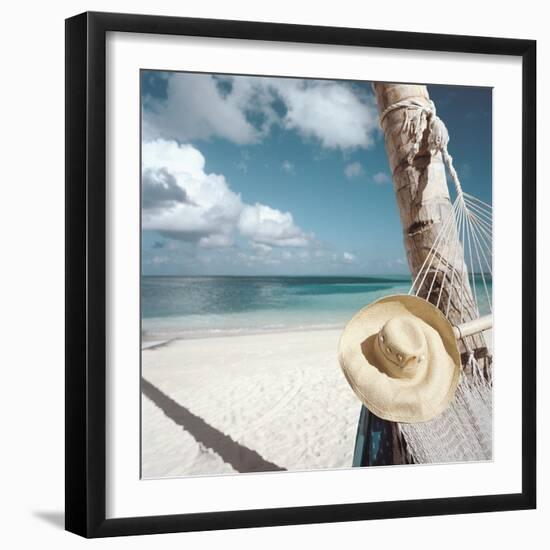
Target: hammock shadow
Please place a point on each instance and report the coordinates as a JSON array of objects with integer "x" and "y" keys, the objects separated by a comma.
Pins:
[{"x": 241, "y": 458}]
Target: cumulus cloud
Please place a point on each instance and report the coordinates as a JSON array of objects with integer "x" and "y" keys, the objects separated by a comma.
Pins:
[
  {"x": 309, "y": 258},
  {"x": 193, "y": 205},
  {"x": 211, "y": 208},
  {"x": 197, "y": 108},
  {"x": 160, "y": 190},
  {"x": 216, "y": 241},
  {"x": 353, "y": 170},
  {"x": 243, "y": 109},
  {"x": 261, "y": 248},
  {"x": 331, "y": 112},
  {"x": 269, "y": 226},
  {"x": 302, "y": 259},
  {"x": 381, "y": 178}
]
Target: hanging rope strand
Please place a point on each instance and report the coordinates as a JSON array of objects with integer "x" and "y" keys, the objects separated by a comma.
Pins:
[
  {"x": 477, "y": 237},
  {"x": 446, "y": 240},
  {"x": 487, "y": 217},
  {"x": 476, "y": 199},
  {"x": 484, "y": 210},
  {"x": 483, "y": 225},
  {"x": 433, "y": 252},
  {"x": 429, "y": 256},
  {"x": 472, "y": 273},
  {"x": 482, "y": 271},
  {"x": 456, "y": 256}
]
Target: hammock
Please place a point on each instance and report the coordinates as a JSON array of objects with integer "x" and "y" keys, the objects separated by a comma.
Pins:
[
  {"x": 456, "y": 277},
  {"x": 464, "y": 431}
]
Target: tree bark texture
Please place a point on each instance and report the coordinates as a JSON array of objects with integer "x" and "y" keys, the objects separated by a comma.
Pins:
[{"x": 424, "y": 203}]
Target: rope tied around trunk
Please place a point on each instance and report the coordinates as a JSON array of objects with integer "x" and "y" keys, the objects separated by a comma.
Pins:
[{"x": 417, "y": 117}]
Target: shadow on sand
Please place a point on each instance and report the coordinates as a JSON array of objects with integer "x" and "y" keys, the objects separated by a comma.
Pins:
[{"x": 241, "y": 458}]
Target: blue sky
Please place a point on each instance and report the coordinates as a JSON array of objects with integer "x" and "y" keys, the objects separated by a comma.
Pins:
[{"x": 250, "y": 175}]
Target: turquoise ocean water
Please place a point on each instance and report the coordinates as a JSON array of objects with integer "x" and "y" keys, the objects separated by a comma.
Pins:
[{"x": 192, "y": 307}]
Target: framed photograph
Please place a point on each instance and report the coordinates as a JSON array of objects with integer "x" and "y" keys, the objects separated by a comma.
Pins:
[{"x": 300, "y": 274}]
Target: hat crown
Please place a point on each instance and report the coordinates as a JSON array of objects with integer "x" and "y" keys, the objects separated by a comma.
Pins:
[{"x": 403, "y": 343}]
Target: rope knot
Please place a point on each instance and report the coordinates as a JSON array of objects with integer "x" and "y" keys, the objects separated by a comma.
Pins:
[
  {"x": 417, "y": 117},
  {"x": 438, "y": 137}
]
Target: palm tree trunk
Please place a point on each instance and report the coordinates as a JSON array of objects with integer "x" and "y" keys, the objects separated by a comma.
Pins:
[
  {"x": 424, "y": 203},
  {"x": 422, "y": 195}
]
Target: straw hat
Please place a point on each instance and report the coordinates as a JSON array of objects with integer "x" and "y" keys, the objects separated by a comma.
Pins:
[{"x": 400, "y": 356}]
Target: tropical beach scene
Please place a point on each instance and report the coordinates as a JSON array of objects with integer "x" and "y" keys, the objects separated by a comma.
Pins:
[{"x": 273, "y": 211}]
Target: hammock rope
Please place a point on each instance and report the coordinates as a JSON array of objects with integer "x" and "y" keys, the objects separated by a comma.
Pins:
[
  {"x": 469, "y": 222},
  {"x": 461, "y": 251}
]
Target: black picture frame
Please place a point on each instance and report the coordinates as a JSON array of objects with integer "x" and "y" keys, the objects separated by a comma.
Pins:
[{"x": 86, "y": 268}]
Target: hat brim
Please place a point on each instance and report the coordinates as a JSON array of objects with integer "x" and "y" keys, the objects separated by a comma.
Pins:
[{"x": 401, "y": 399}]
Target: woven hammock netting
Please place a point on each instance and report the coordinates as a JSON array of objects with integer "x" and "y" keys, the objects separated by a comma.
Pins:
[{"x": 457, "y": 274}]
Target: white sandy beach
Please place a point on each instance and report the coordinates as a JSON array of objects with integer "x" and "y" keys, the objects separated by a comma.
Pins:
[{"x": 224, "y": 404}]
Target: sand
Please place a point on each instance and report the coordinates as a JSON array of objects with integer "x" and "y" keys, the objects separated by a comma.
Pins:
[
  {"x": 261, "y": 402},
  {"x": 246, "y": 403}
]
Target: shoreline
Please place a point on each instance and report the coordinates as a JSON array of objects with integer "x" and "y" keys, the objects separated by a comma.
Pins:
[{"x": 155, "y": 343}]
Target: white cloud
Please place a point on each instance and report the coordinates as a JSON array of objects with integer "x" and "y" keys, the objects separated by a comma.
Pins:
[
  {"x": 196, "y": 108},
  {"x": 197, "y": 206},
  {"x": 331, "y": 112},
  {"x": 216, "y": 241},
  {"x": 212, "y": 208},
  {"x": 160, "y": 190},
  {"x": 159, "y": 260},
  {"x": 287, "y": 255},
  {"x": 353, "y": 170},
  {"x": 288, "y": 167},
  {"x": 270, "y": 226},
  {"x": 261, "y": 248},
  {"x": 381, "y": 178},
  {"x": 336, "y": 114},
  {"x": 254, "y": 259},
  {"x": 316, "y": 254},
  {"x": 349, "y": 257}
]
